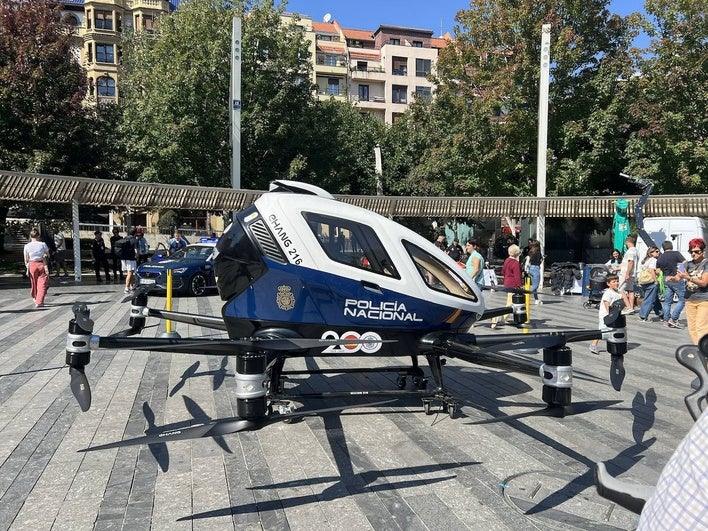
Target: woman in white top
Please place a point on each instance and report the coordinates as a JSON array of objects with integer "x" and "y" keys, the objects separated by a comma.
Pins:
[{"x": 37, "y": 263}]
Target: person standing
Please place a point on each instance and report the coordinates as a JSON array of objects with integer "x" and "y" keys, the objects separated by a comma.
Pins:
[
  {"x": 475, "y": 263},
  {"x": 143, "y": 246},
  {"x": 627, "y": 274},
  {"x": 511, "y": 271},
  {"x": 115, "y": 261},
  {"x": 36, "y": 255},
  {"x": 696, "y": 277},
  {"x": 674, "y": 285},
  {"x": 455, "y": 250},
  {"x": 60, "y": 255},
  {"x": 177, "y": 243},
  {"x": 440, "y": 242},
  {"x": 613, "y": 264},
  {"x": 609, "y": 296},
  {"x": 100, "y": 260},
  {"x": 649, "y": 283},
  {"x": 535, "y": 260},
  {"x": 129, "y": 262}
]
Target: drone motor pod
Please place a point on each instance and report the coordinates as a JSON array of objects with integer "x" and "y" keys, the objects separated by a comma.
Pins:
[
  {"x": 138, "y": 307},
  {"x": 78, "y": 355},
  {"x": 519, "y": 308},
  {"x": 251, "y": 383},
  {"x": 617, "y": 347},
  {"x": 557, "y": 375}
]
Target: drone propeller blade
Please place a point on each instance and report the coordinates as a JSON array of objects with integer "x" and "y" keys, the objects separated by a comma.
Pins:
[
  {"x": 80, "y": 387},
  {"x": 617, "y": 372},
  {"x": 217, "y": 428}
]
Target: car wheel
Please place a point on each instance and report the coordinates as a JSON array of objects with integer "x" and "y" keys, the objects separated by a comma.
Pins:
[{"x": 197, "y": 285}]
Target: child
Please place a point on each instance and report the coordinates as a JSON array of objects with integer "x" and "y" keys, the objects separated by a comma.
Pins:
[{"x": 609, "y": 296}]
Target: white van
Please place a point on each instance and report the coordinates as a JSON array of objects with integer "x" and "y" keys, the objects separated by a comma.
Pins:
[{"x": 680, "y": 231}]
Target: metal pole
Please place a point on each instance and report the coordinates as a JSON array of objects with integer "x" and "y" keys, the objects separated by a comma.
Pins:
[
  {"x": 236, "y": 106},
  {"x": 543, "y": 137},
  {"x": 76, "y": 238},
  {"x": 379, "y": 170}
]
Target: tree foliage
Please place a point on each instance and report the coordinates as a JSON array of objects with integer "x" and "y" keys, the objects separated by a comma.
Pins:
[
  {"x": 481, "y": 130},
  {"x": 41, "y": 89},
  {"x": 667, "y": 143}
]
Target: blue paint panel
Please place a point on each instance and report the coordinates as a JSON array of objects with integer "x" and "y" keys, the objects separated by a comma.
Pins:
[{"x": 321, "y": 297}]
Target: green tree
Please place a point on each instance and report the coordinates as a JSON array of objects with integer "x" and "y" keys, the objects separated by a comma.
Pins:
[
  {"x": 176, "y": 96},
  {"x": 42, "y": 87},
  {"x": 479, "y": 136},
  {"x": 667, "y": 144}
]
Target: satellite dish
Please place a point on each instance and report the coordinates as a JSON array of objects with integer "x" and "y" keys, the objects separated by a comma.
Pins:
[{"x": 327, "y": 17}]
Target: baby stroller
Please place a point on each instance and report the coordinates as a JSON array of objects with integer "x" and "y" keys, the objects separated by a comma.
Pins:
[{"x": 596, "y": 285}]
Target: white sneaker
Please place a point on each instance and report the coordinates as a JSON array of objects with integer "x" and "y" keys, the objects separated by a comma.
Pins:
[
  {"x": 593, "y": 349},
  {"x": 538, "y": 302}
]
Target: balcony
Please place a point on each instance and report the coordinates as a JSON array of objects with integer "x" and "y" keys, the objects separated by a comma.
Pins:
[
  {"x": 338, "y": 94},
  {"x": 161, "y": 5},
  {"x": 370, "y": 74}
]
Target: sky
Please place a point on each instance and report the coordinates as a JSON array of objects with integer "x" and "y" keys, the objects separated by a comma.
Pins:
[{"x": 433, "y": 15}]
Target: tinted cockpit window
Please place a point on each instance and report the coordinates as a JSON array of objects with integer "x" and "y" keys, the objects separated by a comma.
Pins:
[
  {"x": 437, "y": 275},
  {"x": 239, "y": 262},
  {"x": 351, "y": 243}
]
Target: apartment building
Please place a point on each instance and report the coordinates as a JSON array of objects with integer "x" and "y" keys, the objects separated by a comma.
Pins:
[
  {"x": 380, "y": 71},
  {"x": 98, "y": 27}
]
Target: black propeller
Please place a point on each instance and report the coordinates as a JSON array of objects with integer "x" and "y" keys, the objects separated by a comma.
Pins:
[
  {"x": 216, "y": 428},
  {"x": 80, "y": 387}
]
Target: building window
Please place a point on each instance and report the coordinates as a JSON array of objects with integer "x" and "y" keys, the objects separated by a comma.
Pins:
[
  {"x": 330, "y": 60},
  {"x": 399, "y": 66},
  {"x": 399, "y": 94},
  {"x": 106, "y": 86},
  {"x": 333, "y": 86},
  {"x": 148, "y": 22},
  {"x": 362, "y": 66},
  {"x": 104, "y": 20},
  {"x": 324, "y": 37},
  {"x": 395, "y": 116},
  {"x": 70, "y": 20},
  {"x": 423, "y": 92},
  {"x": 354, "y": 43},
  {"x": 422, "y": 67},
  {"x": 417, "y": 44},
  {"x": 396, "y": 42},
  {"x": 104, "y": 53},
  {"x": 363, "y": 92}
]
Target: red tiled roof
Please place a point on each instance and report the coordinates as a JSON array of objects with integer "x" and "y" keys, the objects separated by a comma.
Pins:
[
  {"x": 330, "y": 48},
  {"x": 362, "y": 35},
  {"x": 324, "y": 27}
]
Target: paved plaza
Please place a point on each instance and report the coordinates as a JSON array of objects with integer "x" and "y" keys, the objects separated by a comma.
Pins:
[{"x": 383, "y": 467}]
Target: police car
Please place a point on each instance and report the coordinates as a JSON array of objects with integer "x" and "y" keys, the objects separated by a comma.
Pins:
[{"x": 192, "y": 269}]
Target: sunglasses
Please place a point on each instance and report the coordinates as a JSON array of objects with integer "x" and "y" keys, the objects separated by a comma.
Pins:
[{"x": 695, "y": 251}]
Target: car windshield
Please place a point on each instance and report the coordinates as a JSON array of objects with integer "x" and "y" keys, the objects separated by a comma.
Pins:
[{"x": 193, "y": 252}]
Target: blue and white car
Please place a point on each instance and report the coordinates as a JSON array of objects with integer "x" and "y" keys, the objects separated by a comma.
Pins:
[{"x": 192, "y": 269}]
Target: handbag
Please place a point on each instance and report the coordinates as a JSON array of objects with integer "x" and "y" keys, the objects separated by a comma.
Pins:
[{"x": 645, "y": 277}]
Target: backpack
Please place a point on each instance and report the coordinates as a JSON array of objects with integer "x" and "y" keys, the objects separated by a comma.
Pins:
[{"x": 123, "y": 249}]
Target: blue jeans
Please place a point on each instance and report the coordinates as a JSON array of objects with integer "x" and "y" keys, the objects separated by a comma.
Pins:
[
  {"x": 535, "y": 274},
  {"x": 650, "y": 300},
  {"x": 679, "y": 288}
]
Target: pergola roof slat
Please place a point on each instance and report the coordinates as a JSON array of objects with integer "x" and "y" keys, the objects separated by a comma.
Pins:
[{"x": 31, "y": 187}]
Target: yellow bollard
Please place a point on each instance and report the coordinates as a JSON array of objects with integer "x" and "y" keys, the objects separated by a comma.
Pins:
[
  {"x": 527, "y": 287},
  {"x": 168, "y": 302}
]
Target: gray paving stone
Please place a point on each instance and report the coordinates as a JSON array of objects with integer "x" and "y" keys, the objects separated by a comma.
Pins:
[{"x": 389, "y": 468}]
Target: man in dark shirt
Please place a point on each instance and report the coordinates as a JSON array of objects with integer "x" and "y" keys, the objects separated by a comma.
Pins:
[
  {"x": 100, "y": 261},
  {"x": 440, "y": 243},
  {"x": 668, "y": 262},
  {"x": 455, "y": 250}
]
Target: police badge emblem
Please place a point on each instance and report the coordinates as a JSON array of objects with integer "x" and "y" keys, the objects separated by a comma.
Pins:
[{"x": 285, "y": 298}]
